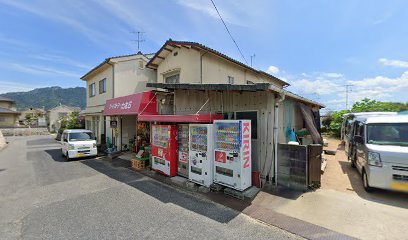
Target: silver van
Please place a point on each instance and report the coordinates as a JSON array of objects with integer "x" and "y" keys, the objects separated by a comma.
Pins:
[{"x": 380, "y": 153}]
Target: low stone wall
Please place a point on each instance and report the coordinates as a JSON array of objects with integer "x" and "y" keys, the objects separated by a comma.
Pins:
[
  {"x": 2, "y": 141},
  {"x": 24, "y": 131}
]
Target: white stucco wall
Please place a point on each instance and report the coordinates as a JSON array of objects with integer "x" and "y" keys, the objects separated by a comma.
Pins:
[
  {"x": 99, "y": 99},
  {"x": 130, "y": 78},
  {"x": 215, "y": 69},
  {"x": 187, "y": 61}
]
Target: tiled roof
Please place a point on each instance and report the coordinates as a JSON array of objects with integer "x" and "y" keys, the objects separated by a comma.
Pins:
[
  {"x": 196, "y": 44},
  {"x": 148, "y": 56},
  {"x": 4, "y": 99},
  {"x": 8, "y": 111}
]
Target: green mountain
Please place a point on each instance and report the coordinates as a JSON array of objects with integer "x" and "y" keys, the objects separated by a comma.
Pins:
[{"x": 49, "y": 97}]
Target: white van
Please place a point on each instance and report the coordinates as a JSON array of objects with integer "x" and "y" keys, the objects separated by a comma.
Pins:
[
  {"x": 347, "y": 128},
  {"x": 381, "y": 152},
  {"x": 78, "y": 143}
]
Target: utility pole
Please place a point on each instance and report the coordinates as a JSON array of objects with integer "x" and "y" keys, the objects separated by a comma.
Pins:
[
  {"x": 139, "y": 38},
  {"x": 347, "y": 92},
  {"x": 252, "y": 56}
]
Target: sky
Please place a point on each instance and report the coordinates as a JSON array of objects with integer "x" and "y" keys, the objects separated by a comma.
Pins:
[{"x": 317, "y": 46}]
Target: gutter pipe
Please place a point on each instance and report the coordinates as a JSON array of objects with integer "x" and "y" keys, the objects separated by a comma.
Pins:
[{"x": 278, "y": 101}]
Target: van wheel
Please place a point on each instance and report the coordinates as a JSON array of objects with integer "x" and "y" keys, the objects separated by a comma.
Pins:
[
  {"x": 67, "y": 157},
  {"x": 366, "y": 185}
]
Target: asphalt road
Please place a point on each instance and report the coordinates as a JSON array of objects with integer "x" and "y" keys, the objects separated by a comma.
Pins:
[{"x": 44, "y": 197}]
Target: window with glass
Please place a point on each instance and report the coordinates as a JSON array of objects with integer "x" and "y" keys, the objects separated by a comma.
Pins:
[
  {"x": 230, "y": 80},
  {"x": 81, "y": 136},
  {"x": 141, "y": 64},
  {"x": 92, "y": 90},
  {"x": 388, "y": 134},
  {"x": 173, "y": 78},
  {"x": 102, "y": 86}
]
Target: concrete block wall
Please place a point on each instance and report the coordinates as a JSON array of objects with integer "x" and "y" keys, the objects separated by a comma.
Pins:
[{"x": 24, "y": 131}]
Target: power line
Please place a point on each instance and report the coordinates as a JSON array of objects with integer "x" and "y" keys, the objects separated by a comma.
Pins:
[{"x": 225, "y": 25}]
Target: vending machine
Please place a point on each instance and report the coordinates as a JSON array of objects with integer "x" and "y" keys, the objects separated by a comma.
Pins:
[
  {"x": 232, "y": 165},
  {"x": 201, "y": 154},
  {"x": 164, "y": 149},
  {"x": 183, "y": 149}
]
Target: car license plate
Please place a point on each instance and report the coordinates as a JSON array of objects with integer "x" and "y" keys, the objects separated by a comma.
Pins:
[
  {"x": 400, "y": 186},
  {"x": 80, "y": 155}
]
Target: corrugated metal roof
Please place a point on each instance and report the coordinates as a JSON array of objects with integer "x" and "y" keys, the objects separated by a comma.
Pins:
[
  {"x": 233, "y": 87},
  {"x": 170, "y": 42}
]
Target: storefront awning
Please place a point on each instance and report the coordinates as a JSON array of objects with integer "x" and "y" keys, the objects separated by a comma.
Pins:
[
  {"x": 135, "y": 104},
  {"x": 202, "y": 118}
]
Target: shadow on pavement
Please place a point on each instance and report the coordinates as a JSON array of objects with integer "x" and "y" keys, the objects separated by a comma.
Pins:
[
  {"x": 283, "y": 192},
  {"x": 162, "y": 192},
  {"x": 57, "y": 156},
  {"x": 396, "y": 199}
]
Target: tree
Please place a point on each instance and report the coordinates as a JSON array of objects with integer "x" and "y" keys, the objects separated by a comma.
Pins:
[
  {"x": 337, "y": 120},
  {"x": 71, "y": 121},
  {"x": 367, "y": 105},
  {"x": 30, "y": 119}
]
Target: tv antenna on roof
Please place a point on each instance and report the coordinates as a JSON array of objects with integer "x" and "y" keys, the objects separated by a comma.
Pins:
[
  {"x": 252, "y": 57},
  {"x": 139, "y": 38}
]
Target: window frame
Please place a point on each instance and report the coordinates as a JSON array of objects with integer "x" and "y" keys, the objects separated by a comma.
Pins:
[
  {"x": 103, "y": 81},
  {"x": 92, "y": 90},
  {"x": 172, "y": 75},
  {"x": 231, "y": 78},
  {"x": 140, "y": 64}
]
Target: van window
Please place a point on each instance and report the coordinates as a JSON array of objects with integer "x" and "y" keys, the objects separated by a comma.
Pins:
[
  {"x": 80, "y": 136},
  {"x": 388, "y": 134},
  {"x": 64, "y": 137}
]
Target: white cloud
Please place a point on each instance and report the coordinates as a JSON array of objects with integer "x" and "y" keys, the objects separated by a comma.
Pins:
[
  {"x": 331, "y": 75},
  {"x": 60, "y": 59},
  {"x": 273, "y": 70},
  {"x": 316, "y": 86},
  {"x": 393, "y": 63},
  {"x": 42, "y": 70},
  {"x": 333, "y": 90},
  {"x": 14, "y": 86},
  {"x": 63, "y": 13},
  {"x": 206, "y": 7}
]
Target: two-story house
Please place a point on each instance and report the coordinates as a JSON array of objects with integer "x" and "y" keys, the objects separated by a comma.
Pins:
[
  {"x": 54, "y": 116},
  {"x": 34, "y": 117},
  {"x": 8, "y": 113},
  {"x": 114, "y": 78},
  {"x": 206, "y": 82}
]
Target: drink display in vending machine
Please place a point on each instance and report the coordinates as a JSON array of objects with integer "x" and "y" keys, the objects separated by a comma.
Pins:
[
  {"x": 164, "y": 149},
  {"x": 232, "y": 165},
  {"x": 201, "y": 154},
  {"x": 183, "y": 149}
]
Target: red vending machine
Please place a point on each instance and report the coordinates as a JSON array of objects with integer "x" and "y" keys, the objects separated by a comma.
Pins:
[{"x": 164, "y": 149}]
